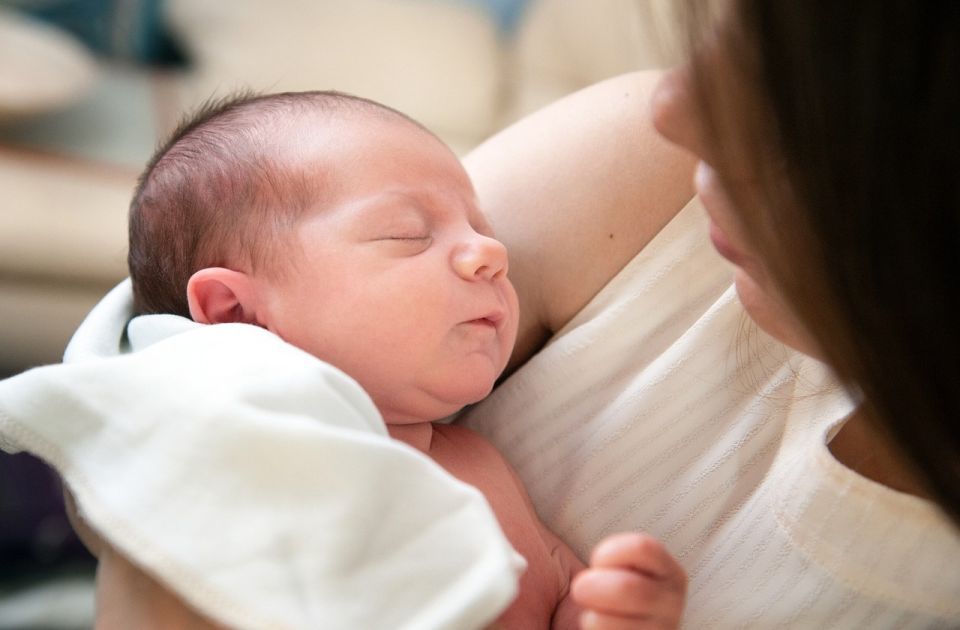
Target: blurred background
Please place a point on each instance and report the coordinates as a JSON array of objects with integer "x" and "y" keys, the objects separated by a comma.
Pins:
[{"x": 89, "y": 87}]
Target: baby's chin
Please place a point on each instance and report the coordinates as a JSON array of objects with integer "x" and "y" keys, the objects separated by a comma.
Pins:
[
  {"x": 449, "y": 406},
  {"x": 480, "y": 388},
  {"x": 431, "y": 405}
]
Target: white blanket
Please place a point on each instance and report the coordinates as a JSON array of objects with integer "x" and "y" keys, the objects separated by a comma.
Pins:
[{"x": 256, "y": 481}]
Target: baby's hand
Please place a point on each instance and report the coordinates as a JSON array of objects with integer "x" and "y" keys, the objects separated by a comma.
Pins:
[{"x": 632, "y": 582}]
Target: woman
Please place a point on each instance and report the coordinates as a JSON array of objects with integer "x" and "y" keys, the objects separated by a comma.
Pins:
[
  {"x": 827, "y": 147},
  {"x": 654, "y": 407},
  {"x": 845, "y": 161}
]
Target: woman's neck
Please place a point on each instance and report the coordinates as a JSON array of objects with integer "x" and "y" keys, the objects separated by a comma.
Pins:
[
  {"x": 418, "y": 435},
  {"x": 863, "y": 449}
]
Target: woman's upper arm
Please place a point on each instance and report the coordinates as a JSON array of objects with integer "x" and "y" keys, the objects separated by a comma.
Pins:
[{"x": 575, "y": 191}]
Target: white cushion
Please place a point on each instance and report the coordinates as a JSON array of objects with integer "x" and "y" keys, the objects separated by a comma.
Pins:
[
  {"x": 565, "y": 45},
  {"x": 41, "y": 67},
  {"x": 63, "y": 219},
  {"x": 438, "y": 62}
]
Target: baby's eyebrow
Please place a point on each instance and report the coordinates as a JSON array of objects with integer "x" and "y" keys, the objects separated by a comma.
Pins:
[
  {"x": 398, "y": 202},
  {"x": 388, "y": 205}
]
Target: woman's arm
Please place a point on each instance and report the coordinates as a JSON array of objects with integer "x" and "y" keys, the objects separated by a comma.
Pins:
[{"x": 575, "y": 191}]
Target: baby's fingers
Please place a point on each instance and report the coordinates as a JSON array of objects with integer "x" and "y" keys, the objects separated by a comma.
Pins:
[
  {"x": 593, "y": 620},
  {"x": 641, "y": 553},
  {"x": 622, "y": 593},
  {"x": 632, "y": 582}
]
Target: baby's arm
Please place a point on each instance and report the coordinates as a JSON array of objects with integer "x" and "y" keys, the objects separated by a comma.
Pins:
[
  {"x": 126, "y": 597},
  {"x": 632, "y": 582},
  {"x": 129, "y": 598},
  {"x": 568, "y": 610}
]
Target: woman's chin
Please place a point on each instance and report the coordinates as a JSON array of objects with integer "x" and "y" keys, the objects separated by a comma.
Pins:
[{"x": 771, "y": 314}]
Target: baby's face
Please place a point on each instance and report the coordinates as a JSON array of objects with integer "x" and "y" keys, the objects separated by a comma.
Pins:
[{"x": 397, "y": 279}]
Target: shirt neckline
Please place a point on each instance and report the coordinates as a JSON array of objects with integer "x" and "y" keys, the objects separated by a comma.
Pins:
[{"x": 886, "y": 544}]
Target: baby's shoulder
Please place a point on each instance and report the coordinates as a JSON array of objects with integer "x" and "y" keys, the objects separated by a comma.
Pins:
[
  {"x": 460, "y": 449},
  {"x": 456, "y": 436}
]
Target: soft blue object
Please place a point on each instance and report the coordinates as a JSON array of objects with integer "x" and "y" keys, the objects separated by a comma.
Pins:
[
  {"x": 507, "y": 13},
  {"x": 137, "y": 33}
]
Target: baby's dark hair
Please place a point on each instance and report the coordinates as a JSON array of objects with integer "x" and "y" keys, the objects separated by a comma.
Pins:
[{"x": 219, "y": 190}]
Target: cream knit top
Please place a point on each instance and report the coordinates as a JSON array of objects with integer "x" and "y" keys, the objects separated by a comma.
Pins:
[{"x": 661, "y": 408}]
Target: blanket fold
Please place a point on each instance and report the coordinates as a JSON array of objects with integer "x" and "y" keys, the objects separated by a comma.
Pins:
[{"x": 255, "y": 480}]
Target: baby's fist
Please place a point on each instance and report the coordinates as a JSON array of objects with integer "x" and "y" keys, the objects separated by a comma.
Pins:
[{"x": 632, "y": 582}]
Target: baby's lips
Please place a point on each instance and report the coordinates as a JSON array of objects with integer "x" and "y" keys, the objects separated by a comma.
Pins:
[
  {"x": 494, "y": 317},
  {"x": 491, "y": 318}
]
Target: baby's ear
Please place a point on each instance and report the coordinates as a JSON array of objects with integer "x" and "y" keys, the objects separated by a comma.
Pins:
[{"x": 222, "y": 296}]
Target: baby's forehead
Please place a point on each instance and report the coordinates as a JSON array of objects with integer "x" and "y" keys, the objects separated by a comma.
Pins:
[
  {"x": 298, "y": 151},
  {"x": 363, "y": 146},
  {"x": 344, "y": 122},
  {"x": 323, "y": 139}
]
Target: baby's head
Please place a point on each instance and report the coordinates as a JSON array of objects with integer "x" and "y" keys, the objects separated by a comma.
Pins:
[{"x": 342, "y": 226}]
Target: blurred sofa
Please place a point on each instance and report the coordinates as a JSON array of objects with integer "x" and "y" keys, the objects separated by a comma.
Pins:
[{"x": 77, "y": 125}]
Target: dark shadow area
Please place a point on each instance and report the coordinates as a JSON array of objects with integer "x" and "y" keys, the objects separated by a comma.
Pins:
[{"x": 36, "y": 539}]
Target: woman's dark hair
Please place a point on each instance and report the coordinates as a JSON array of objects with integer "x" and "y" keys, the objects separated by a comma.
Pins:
[{"x": 859, "y": 102}]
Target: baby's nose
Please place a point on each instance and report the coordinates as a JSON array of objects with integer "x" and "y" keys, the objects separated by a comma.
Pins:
[{"x": 480, "y": 258}]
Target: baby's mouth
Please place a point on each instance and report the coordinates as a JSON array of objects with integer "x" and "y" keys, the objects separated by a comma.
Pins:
[{"x": 490, "y": 320}]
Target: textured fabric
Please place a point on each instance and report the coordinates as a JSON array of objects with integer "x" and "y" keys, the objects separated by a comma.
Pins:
[
  {"x": 255, "y": 480},
  {"x": 660, "y": 408}
]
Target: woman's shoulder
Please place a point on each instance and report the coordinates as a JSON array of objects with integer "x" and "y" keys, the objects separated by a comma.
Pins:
[{"x": 574, "y": 191}]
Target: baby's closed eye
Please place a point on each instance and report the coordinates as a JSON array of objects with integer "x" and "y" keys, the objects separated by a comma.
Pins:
[
  {"x": 405, "y": 237},
  {"x": 405, "y": 244},
  {"x": 404, "y": 226}
]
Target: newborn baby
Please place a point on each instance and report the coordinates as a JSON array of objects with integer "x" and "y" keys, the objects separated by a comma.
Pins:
[{"x": 351, "y": 232}]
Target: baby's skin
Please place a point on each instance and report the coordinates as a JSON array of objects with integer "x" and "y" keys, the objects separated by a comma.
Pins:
[
  {"x": 551, "y": 565},
  {"x": 396, "y": 278}
]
